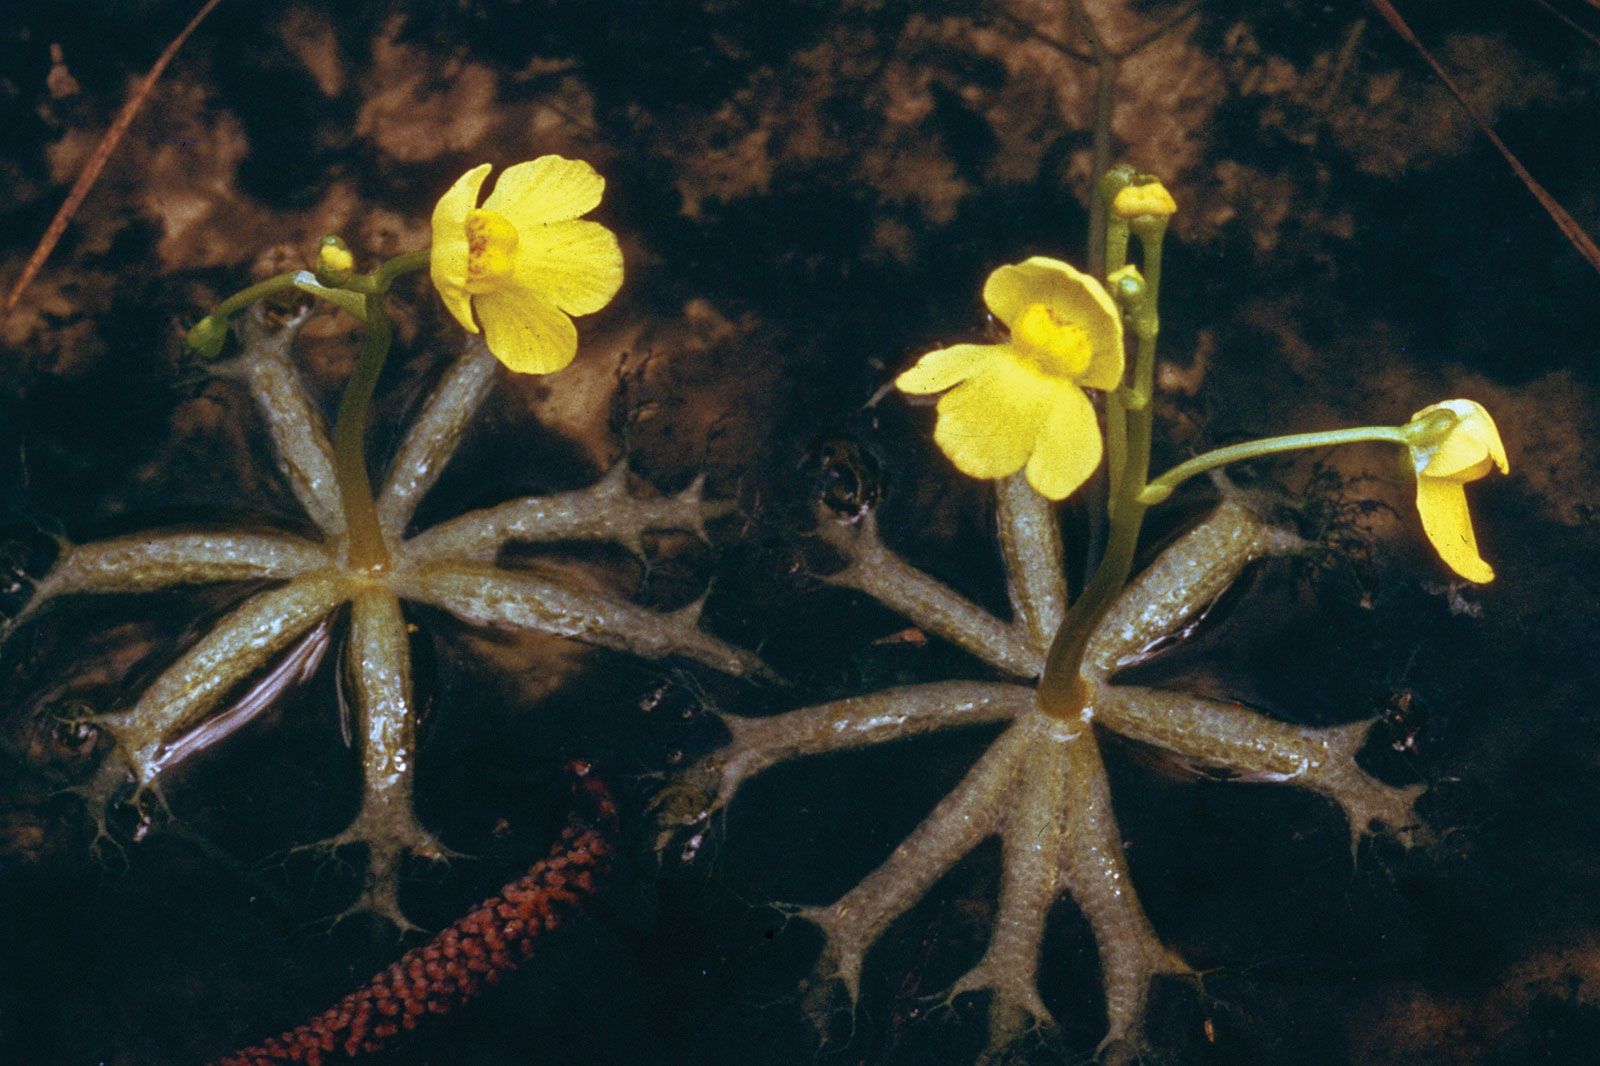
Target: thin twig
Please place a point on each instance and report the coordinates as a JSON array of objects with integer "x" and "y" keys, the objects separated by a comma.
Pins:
[
  {"x": 1567, "y": 224},
  {"x": 102, "y": 155},
  {"x": 1570, "y": 23},
  {"x": 1066, "y": 48},
  {"x": 1161, "y": 30},
  {"x": 1107, "y": 66}
]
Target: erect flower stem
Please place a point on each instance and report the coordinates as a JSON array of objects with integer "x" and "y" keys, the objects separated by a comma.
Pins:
[
  {"x": 1129, "y": 424},
  {"x": 362, "y": 295},
  {"x": 367, "y": 548},
  {"x": 1062, "y": 693},
  {"x": 1116, "y": 258}
]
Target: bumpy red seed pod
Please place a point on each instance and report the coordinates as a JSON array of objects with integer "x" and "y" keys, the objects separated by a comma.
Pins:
[{"x": 489, "y": 942}]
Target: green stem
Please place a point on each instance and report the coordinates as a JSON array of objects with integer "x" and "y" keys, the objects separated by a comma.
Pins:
[
  {"x": 260, "y": 290},
  {"x": 1061, "y": 692},
  {"x": 367, "y": 547},
  {"x": 1162, "y": 487},
  {"x": 1116, "y": 257},
  {"x": 379, "y": 280},
  {"x": 1129, "y": 418},
  {"x": 368, "y": 550}
]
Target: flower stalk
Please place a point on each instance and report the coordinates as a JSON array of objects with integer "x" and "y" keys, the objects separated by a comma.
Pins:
[
  {"x": 364, "y": 296},
  {"x": 367, "y": 550},
  {"x": 1129, "y": 422},
  {"x": 1450, "y": 444}
]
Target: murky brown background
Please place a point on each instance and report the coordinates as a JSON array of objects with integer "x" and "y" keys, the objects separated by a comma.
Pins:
[{"x": 808, "y": 195}]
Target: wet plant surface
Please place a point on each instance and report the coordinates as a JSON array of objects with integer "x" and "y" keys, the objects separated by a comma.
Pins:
[{"x": 809, "y": 196}]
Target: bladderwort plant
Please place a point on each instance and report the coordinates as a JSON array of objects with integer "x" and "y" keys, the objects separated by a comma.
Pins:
[
  {"x": 1017, "y": 412},
  {"x": 513, "y": 270}
]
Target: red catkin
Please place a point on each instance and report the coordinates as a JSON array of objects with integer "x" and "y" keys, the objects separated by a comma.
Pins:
[{"x": 454, "y": 967}]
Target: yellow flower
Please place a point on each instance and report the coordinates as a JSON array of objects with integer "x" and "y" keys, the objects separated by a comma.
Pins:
[
  {"x": 334, "y": 259},
  {"x": 521, "y": 264},
  {"x": 1150, "y": 199},
  {"x": 1458, "y": 452},
  {"x": 1021, "y": 402}
]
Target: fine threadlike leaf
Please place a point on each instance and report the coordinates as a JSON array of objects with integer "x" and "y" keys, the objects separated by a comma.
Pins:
[
  {"x": 1568, "y": 225},
  {"x": 102, "y": 155}
]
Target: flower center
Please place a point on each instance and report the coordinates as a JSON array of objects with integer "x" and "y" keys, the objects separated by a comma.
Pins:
[
  {"x": 491, "y": 250},
  {"x": 1061, "y": 349}
]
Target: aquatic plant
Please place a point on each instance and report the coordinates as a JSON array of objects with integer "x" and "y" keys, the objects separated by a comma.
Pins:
[
  {"x": 1015, "y": 411},
  {"x": 519, "y": 264}
]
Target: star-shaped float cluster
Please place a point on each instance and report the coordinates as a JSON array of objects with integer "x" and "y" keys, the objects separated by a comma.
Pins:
[
  {"x": 451, "y": 566},
  {"x": 1041, "y": 786}
]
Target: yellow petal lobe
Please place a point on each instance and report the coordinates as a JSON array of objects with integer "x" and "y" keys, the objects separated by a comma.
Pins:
[
  {"x": 939, "y": 370},
  {"x": 989, "y": 423},
  {"x": 526, "y": 332},
  {"x": 1442, "y": 503},
  {"x": 576, "y": 265},
  {"x": 551, "y": 188},
  {"x": 1068, "y": 449},
  {"x": 447, "y": 260}
]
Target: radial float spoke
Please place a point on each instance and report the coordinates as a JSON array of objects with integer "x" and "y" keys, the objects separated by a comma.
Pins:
[
  {"x": 1182, "y": 582},
  {"x": 974, "y": 810},
  {"x": 487, "y": 596},
  {"x": 299, "y": 435},
  {"x": 435, "y": 435},
  {"x": 932, "y": 605},
  {"x": 860, "y": 721},
  {"x": 385, "y": 734},
  {"x": 241, "y": 644},
  {"x": 1030, "y": 881},
  {"x": 1252, "y": 745},
  {"x": 146, "y": 562},
  {"x": 1030, "y": 543},
  {"x": 1095, "y": 872},
  {"x": 603, "y": 512}
]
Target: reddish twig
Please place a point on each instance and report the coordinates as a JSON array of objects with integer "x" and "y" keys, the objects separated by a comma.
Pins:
[
  {"x": 102, "y": 155},
  {"x": 455, "y": 966},
  {"x": 1568, "y": 225}
]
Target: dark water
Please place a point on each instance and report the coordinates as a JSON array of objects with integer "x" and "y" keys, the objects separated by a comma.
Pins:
[{"x": 808, "y": 195}]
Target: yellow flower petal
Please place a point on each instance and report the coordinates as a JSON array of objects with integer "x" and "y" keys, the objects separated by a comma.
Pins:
[
  {"x": 525, "y": 331},
  {"x": 1071, "y": 296},
  {"x": 988, "y": 424},
  {"x": 575, "y": 265},
  {"x": 1068, "y": 448},
  {"x": 551, "y": 188},
  {"x": 1442, "y": 503},
  {"x": 1151, "y": 199},
  {"x": 447, "y": 261},
  {"x": 938, "y": 370},
  {"x": 1470, "y": 446}
]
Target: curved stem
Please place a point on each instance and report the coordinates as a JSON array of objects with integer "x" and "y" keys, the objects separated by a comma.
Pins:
[
  {"x": 1162, "y": 487},
  {"x": 260, "y": 290},
  {"x": 367, "y": 546},
  {"x": 379, "y": 280}
]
